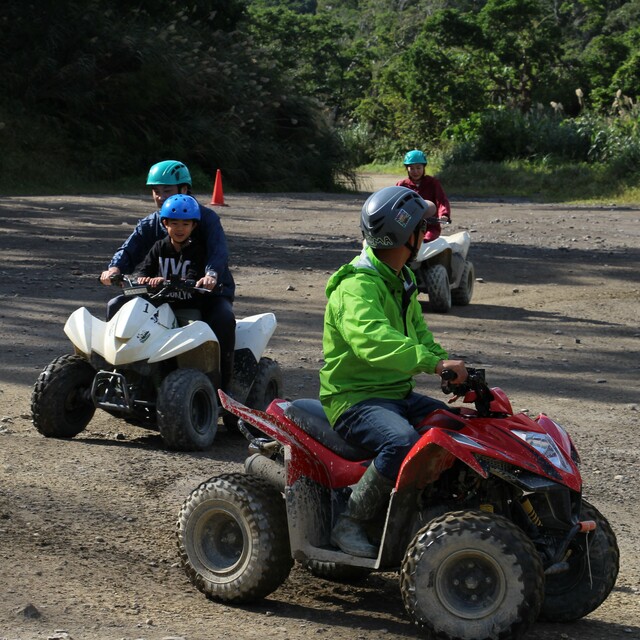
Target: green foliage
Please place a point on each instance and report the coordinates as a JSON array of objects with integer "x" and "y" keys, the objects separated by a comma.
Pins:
[
  {"x": 124, "y": 89},
  {"x": 425, "y": 88},
  {"x": 506, "y": 134},
  {"x": 284, "y": 94},
  {"x": 615, "y": 139},
  {"x": 610, "y": 144},
  {"x": 317, "y": 53},
  {"x": 545, "y": 181}
]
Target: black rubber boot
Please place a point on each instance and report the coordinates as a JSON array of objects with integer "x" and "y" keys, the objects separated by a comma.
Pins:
[{"x": 369, "y": 495}]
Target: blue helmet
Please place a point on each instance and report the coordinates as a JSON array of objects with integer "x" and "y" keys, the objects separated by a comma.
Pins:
[
  {"x": 415, "y": 157},
  {"x": 169, "y": 172},
  {"x": 180, "y": 207}
]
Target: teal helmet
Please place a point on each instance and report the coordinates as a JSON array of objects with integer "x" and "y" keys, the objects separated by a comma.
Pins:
[
  {"x": 180, "y": 207},
  {"x": 169, "y": 172},
  {"x": 415, "y": 157},
  {"x": 389, "y": 217}
]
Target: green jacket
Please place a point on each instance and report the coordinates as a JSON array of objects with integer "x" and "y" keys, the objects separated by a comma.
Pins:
[{"x": 368, "y": 350}]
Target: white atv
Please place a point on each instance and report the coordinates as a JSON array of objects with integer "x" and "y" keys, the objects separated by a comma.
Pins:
[
  {"x": 155, "y": 367},
  {"x": 443, "y": 271}
]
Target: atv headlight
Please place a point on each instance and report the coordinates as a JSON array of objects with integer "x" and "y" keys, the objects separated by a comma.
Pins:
[{"x": 545, "y": 446}]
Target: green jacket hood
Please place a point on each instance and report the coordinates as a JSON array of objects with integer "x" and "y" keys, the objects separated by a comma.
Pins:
[{"x": 365, "y": 261}]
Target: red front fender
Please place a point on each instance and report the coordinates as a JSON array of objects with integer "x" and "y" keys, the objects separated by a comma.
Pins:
[{"x": 434, "y": 453}]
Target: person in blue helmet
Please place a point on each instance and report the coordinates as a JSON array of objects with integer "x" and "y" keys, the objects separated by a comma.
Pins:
[
  {"x": 166, "y": 179},
  {"x": 428, "y": 187},
  {"x": 178, "y": 254}
]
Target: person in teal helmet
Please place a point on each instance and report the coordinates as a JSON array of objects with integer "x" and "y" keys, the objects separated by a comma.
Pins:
[
  {"x": 166, "y": 179},
  {"x": 415, "y": 162}
]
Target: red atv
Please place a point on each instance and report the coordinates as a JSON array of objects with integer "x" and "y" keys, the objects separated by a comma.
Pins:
[{"x": 486, "y": 522}]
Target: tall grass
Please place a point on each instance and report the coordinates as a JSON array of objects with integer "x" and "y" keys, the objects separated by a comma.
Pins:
[
  {"x": 539, "y": 181},
  {"x": 545, "y": 156}
]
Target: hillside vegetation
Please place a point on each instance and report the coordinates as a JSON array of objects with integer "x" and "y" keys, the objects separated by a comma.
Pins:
[{"x": 296, "y": 95}]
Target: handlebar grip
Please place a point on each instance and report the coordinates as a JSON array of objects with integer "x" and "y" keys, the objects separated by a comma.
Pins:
[{"x": 448, "y": 374}]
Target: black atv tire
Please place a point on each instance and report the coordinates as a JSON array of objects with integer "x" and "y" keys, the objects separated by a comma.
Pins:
[
  {"x": 462, "y": 294},
  {"x": 267, "y": 385},
  {"x": 438, "y": 288},
  {"x": 573, "y": 594},
  {"x": 336, "y": 572},
  {"x": 233, "y": 538},
  {"x": 187, "y": 410},
  {"x": 472, "y": 575},
  {"x": 61, "y": 405}
]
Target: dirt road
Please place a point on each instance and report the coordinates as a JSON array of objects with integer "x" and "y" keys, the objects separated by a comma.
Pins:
[{"x": 87, "y": 542}]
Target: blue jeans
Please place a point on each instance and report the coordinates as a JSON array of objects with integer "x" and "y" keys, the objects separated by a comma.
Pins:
[{"x": 386, "y": 427}]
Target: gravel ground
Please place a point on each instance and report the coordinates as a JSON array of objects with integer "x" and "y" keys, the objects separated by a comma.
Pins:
[{"x": 87, "y": 526}]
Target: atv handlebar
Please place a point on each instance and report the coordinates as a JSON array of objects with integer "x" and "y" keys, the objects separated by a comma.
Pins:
[
  {"x": 437, "y": 220},
  {"x": 174, "y": 283},
  {"x": 119, "y": 279},
  {"x": 475, "y": 383}
]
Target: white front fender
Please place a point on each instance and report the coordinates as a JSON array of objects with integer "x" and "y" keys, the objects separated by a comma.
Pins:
[
  {"x": 254, "y": 333},
  {"x": 83, "y": 329}
]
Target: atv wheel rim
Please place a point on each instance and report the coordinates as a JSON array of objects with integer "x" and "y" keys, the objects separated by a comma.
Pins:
[
  {"x": 221, "y": 543},
  {"x": 470, "y": 584},
  {"x": 76, "y": 405},
  {"x": 201, "y": 412}
]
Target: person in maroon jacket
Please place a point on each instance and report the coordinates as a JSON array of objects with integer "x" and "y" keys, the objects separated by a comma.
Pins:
[{"x": 428, "y": 187}]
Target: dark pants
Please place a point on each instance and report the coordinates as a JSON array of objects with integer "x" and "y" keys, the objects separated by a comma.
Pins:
[
  {"x": 386, "y": 427},
  {"x": 217, "y": 312}
]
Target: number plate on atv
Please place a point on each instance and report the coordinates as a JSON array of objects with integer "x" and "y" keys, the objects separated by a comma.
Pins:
[{"x": 136, "y": 291}]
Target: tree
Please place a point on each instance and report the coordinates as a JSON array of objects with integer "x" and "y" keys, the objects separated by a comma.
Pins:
[
  {"x": 317, "y": 52},
  {"x": 434, "y": 82},
  {"x": 523, "y": 40},
  {"x": 107, "y": 92}
]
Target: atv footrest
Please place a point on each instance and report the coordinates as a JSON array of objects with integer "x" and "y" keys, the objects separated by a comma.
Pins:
[{"x": 109, "y": 391}]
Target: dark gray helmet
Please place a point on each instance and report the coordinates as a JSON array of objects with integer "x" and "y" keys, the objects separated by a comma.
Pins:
[{"x": 390, "y": 216}]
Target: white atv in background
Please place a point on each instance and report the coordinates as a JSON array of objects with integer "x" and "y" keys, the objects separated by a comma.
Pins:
[
  {"x": 443, "y": 271},
  {"x": 155, "y": 368}
]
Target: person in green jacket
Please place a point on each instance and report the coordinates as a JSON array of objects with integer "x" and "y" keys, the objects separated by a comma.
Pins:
[{"x": 375, "y": 341}]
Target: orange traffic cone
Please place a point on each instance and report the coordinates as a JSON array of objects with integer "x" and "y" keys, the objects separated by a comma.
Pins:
[{"x": 218, "y": 196}]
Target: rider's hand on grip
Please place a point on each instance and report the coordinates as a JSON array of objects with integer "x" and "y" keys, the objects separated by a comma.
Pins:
[
  {"x": 453, "y": 373},
  {"x": 111, "y": 276},
  {"x": 115, "y": 279}
]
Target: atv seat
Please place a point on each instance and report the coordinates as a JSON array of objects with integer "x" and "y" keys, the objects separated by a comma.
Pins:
[{"x": 310, "y": 417}]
